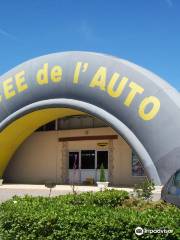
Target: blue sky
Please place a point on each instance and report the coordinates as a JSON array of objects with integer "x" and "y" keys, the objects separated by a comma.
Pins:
[{"x": 144, "y": 32}]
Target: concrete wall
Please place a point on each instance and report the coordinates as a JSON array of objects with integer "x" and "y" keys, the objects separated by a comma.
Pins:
[
  {"x": 122, "y": 168},
  {"x": 35, "y": 160},
  {"x": 42, "y": 158}
]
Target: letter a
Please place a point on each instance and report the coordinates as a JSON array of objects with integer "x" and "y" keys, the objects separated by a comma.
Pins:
[{"x": 99, "y": 79}]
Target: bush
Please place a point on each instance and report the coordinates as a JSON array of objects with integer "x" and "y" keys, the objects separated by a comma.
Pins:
[
  {"x": 144, "y": 190},
  {"x": 102, "y": 174},
  {"x": 107, "y": 198},
  {"x": 85, "y": 217}
]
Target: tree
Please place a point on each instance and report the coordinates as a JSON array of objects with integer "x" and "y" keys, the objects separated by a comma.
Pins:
[{"x": 102, "y": 173}]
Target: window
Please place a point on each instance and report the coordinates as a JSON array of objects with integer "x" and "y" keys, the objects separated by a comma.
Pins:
[
  {"x": 87, "y": 159},
  {"x": 80, "y": 122},
  {"x": 102, "y": 158},
  {"x": 137, "y": 168},
  {"x": 47, "y": 127},
  {"x": 50, "y": 126},
  {"x": 177, "y": 179},
  {"x": 73, "y": 160}
]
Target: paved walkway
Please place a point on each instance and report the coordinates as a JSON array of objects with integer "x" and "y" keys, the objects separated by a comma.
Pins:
[{"x": 7, "y": 191}]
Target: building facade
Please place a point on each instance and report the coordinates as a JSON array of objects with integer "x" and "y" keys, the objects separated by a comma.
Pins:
[{"x": 72, "y": 150}]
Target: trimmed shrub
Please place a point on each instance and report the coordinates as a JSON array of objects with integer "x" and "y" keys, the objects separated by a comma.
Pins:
[
  {"x": 108, "y": 215},
  {"x": 107, "y": 198},
  {"x": 102, "y": 174}
]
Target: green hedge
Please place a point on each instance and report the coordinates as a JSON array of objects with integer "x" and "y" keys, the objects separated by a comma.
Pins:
[
  {"x": 108, "y": 198},
  {"x": 108, "y": 215}
]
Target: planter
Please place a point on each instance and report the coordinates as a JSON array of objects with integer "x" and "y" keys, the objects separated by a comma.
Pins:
[
  {"x": 102, "y": 185},
  {"x": 1, "y": 182}
]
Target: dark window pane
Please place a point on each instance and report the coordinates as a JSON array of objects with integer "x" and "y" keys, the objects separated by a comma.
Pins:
[
  {"x": 50, "y": 126},
  {"x": 73, "y": 160},
  {"x": 41, "y": 129},
  {"x": 87, "y": 159},
  {"x": 137, "y": 168},
  {"x": 102, "y": 158},
  {"x": 47, "y": 127}
]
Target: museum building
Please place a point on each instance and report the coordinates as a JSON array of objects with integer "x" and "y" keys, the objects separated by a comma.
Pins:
[{"x": 72, "y": 150}]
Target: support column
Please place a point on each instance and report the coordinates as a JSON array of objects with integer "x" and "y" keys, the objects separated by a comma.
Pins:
[
  {"x": 111, "y": 165},
  {"x": 64, "y": 162}
]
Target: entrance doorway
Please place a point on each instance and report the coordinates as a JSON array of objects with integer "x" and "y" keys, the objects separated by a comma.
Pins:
[{"x": 84, "y": 166}]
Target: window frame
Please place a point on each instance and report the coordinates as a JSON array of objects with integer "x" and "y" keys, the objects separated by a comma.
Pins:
[
  {"x": 94, "y": 159},
  {"x": 80, "y": 162},
  {"x": 99, "y": 150}
]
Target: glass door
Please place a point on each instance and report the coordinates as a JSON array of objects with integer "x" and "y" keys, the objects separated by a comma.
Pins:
[
  {"x": 88, "y": 168},
  {"x": 84, "y": 166}
]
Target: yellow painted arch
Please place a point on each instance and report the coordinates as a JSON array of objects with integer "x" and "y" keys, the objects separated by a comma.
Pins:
[{"x": 15, "y": 134}]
